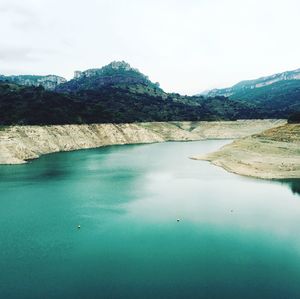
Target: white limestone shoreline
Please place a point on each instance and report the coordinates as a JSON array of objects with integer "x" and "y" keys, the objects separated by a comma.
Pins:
[{"x": 21, "y": 143}]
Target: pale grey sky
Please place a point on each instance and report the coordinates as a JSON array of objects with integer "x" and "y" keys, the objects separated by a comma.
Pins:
[{"x": 187, "y": 45}]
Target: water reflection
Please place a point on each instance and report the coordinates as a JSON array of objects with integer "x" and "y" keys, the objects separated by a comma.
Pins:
[
  {"x": 294, "y": 185},
  {"x": 236, "y": 234}
]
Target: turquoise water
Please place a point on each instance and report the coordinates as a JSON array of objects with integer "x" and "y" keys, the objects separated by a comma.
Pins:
[{"x": 237, "y": 238}]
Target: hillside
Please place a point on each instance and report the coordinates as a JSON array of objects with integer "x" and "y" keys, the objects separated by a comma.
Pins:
[
  {"x": 248, "y": 85},
  {"x": 273, "y": 96},
  {"x": 279, "y": 99},
  {"x": 35, "y": 105},
  {"x": 117, "y": 73}
]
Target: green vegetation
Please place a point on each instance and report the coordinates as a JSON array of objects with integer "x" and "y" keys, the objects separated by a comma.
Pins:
[
  {"x": 277, "y": 100},
  {"x": 35, "y": 105},
  {"x": 118, "y": 93}
]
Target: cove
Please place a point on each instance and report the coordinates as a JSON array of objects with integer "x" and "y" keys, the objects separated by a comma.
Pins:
[{"x": 237, "y": 237}]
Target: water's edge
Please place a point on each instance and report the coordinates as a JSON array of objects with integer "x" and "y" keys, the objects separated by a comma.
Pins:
[
  {"x": 272, "y": 154},
  {"x": 19, "y": 144}
]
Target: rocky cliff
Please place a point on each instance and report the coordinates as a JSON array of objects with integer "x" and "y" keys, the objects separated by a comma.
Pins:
[
  {"x": 49, "y": 82},
  {"x": 21, "y": 143}
]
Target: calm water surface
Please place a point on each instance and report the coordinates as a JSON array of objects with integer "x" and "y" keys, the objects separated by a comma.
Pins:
[{"x": 237, "y": 238}]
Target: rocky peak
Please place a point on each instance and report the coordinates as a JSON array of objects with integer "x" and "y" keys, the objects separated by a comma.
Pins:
[
  {"x": 119, "y": 65},
  {"x": 110, "y": 69}
]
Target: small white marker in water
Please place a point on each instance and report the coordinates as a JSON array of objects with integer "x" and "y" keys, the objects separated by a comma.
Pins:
[
  {"x": 178, "y": 219},
  {"x": 78, "y": 226}
]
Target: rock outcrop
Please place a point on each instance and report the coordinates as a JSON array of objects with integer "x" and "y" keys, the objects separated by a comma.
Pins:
[
  {"x": 49, "y": 82},
  {"x": 114, "y": 74}
]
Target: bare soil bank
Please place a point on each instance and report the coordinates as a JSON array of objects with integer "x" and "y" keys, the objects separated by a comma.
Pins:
[{"x": 272, "y": 154}]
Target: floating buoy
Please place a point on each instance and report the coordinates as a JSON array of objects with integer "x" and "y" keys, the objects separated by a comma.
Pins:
[
  {"x": 178, "y": 219},
  {"x": 78, "y": 226}
]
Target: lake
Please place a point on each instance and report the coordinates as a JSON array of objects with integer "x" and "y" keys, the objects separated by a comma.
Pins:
[{"x": 237, "y": 237}]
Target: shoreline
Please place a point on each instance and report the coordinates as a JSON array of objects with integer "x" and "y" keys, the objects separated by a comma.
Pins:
[
  {"x": 272, "y": 154},
  {"x": 18, "y": 144}
]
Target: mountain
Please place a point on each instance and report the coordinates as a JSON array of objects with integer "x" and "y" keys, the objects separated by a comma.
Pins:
[
  {"x": 249, "y": 85},
  {"x": 276, "y": 96},
  {"x": 117, "y": 73},
  {"x": 49, "y": 82},
  {"x": 115, "y": 93}
]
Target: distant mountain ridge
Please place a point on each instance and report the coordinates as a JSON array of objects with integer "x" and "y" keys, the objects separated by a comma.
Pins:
[
  {"x": 49, "y": 82},
  {"x": 275, "y": 96},
  {"x": 253, "y": 84}
]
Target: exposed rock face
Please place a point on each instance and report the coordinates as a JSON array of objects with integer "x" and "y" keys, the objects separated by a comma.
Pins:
[
  {"x": 272, "y": 154},
  {"x": 20, "y": 143},
  {"x": 115, "y": 65},
  {"x": 77, "y": 74},
  {"x": 49, "y": 82}
]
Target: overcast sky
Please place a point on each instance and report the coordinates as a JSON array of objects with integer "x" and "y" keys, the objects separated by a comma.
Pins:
[{"x": 186, "y": 45}]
